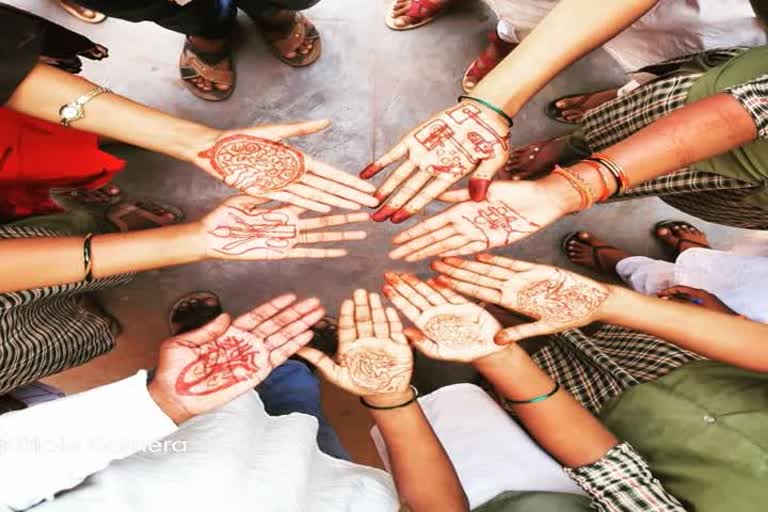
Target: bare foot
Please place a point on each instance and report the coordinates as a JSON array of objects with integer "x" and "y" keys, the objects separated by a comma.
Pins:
[
  {"x": 584, "y": 249},
  {"x": 283, "y": 21},
  {"x": 572, "y": 108},
  {"x": 534, "y": 159},
  {"x": 681, "y": 236},
  {"x": 401, "y": 8}
]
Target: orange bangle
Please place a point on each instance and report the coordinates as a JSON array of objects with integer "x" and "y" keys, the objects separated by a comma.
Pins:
[
  {"x": 582, "y": 187},
  {"x": 606, "y": 188},
  {"x": 614, "y": 168}
]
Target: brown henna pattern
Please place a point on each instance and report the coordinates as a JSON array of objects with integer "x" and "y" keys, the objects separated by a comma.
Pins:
[
  {"x": 220, "y": 364},
  {"x": 561, "y": 298},
  {"x": 261, "y": 165},
  {"x": 500, "y": 223},
  {"x": 452, "y": 331},
  {"x": 240, "y": 231},
  {"x": 374, "y": 372},
  {"x": 457, "y": 154}
]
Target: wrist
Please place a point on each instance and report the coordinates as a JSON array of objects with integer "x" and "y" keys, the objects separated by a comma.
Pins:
[
  {"x": 511, "y": 355},
  {"x": 389, "y": 399},
  {"x": 567, "y": 198},
  {"x": 177, "y": 413},
  {"x": 193, "y": 239},
  {"x": 193, "y": 139},
  {"x": 616, "y": 305}
]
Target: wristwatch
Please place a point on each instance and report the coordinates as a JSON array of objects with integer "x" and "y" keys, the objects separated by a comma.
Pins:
[{"x": 71, "y": 112}]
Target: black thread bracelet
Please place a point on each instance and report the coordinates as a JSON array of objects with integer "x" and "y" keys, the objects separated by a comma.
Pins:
[
  {"x": 490, "y": 106},
  {"x": 87, "y": 259},
  {"x": 389, "y": 407},
  {"x": 536, "y": 399}
]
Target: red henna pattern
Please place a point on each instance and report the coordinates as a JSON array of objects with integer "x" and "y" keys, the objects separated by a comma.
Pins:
[
  {"x": 220, "y": 364},
  {"x": 500, "y": 218},
  {"x": 248, "y": 162},
  {"x": 561, "y": 298},
  {"x": 245, "y": 231}
]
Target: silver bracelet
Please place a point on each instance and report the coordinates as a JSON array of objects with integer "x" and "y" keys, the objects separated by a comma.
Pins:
[{"x": 74, "y": 111}]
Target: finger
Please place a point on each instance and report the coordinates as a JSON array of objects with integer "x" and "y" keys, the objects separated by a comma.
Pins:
[
  {"x": 508, "y": 263},
  {"x": 363, "y": 320},
  {"x": 288, "y": 349},
  {"x": 210, "y": 331},
  {"x": 423, "y": 198},
  {"x": 421, "y": 343},
  {"x": 380, "y": 324},
  {"x": 347, "y": 330},
  {"x": 331, "y": 236},
  {"x": 477, "y": 267},
  {"x": 432, "y": 296},
  {"x": 293, "y": 329},
  {"x": 250, "y": 320},
  {"x": 523, "y": 331},
  {"x": 393, "y": 155},
  {"x": 331, "y": 173},
  {"x": 481, "y": 178},
  {"x": 407, "y": 190},
  {"x": 448, "y": 294},
  {"x": 395, "y": 326},
  {"x": 286, "y": 317},
  {"x": 406, "y": 291},
  {"x": 455, "y": 196},
  {"x": 306, "y": 192},
  {"x": 290, "y": 198},
  {"x": 394, "y": 180},
  {"x": 466, "y": 250},
  {"x": 471, "y": 290},
  {"x": 333, "y": 220},
  {"x": 439, "y": 248},
  {"x": 410, "y": 311},
  {"x": 299, "y": 128},
  {"x": 340, "y": 190},
  {"x": 325, "y": 365},
  {"x": 246, "y": 203},
  {"x": 301, "y": 252},
  {"x": 425, "y": 241},
  {"x": 466, "y": 275},
  {"x": 423, "y": 228}
]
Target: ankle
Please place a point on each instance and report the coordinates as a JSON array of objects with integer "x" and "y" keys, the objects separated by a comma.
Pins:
[{"x": 207, "y": 45}]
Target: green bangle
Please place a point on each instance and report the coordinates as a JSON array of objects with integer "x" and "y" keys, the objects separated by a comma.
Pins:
[
  {"x": 389, "y": 407},
  {"x": 536, "y": 399},
  {"x": 490, "y": 106}
]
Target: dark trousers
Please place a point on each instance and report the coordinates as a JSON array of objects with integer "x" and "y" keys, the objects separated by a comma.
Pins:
[{"x": 211, "y": 19}]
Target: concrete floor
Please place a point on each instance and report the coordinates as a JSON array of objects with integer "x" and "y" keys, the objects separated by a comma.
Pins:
[{"x": 375, "y": 84}]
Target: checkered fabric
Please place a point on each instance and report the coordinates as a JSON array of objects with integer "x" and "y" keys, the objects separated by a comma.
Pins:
[
  {"x": 622, "y": 482},
  {"x": 753, "y": 96},
  {"x": 45, "y": 330}
]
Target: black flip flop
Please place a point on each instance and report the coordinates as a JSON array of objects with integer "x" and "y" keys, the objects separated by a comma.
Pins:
[
  {"x": 671, "y": 223},
  {"x": 196, "y": 315},
  {"x": 595, "y": 250}
]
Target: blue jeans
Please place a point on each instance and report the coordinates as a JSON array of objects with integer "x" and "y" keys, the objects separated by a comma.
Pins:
[{"x": 292, "y": 387}]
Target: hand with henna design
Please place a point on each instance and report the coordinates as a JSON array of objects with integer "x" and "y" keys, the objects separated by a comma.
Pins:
[
  {"x": 448, "y": 326},
  {"x": 557, "y": 299},
  {"x": 373, "y": 358},
  {"x": 256, "y": 162},
  {"x": 201, "y": 370},
  {"x": 240, "y": 229},
  {"x": 465, "y": 139}
]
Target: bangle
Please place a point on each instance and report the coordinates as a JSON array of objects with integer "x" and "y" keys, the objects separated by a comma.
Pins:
[
  {"x": 87, "y": 259},
  {"x": 536, "y": 399},
  {"x": 606, "y": 188},
  {"x": 622, "y": 181},
  {"x": 581, "y": 186},
  {"x": 389, "y": 407},
  {"x": 490, "y": 106}
]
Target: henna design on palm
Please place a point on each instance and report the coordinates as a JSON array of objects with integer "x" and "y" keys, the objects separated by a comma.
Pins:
[{"x": 559, "y": 298}]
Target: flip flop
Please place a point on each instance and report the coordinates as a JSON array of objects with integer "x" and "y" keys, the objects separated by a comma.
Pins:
[
  {"x": 554, "y": 113},
  {"x": 99, "y": 197},
  {"x": 567, "y": 239},
  {"x": 148, "y": 211},
  {"x": 71, "y": 9},
  {"x": 281, "y": 43},
  {"x": 191, "y": 312},
  {"x": 669, "y": 224},
  {"x": 474, "y": 72},
  {"x": 424, "y": 10},
  {"x": 193, "y": 64}
]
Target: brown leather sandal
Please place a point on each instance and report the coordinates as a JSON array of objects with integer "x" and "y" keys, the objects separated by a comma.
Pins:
[
  {"x": 282, "y": 43},
  {"x": 211, "y": 66}
]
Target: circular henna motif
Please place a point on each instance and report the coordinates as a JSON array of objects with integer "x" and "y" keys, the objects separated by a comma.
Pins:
[
  {"x": 452, "y": 330},
  {"x": 252, "y": 162}
]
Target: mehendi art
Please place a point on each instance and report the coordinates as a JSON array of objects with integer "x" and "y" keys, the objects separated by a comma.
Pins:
[
  {"x": 255, "y": 164},
  {"x": 452, "y": 330},
  {"x": 221, "y": 364},
  {"x": 374, "y": 371},
  {"x": 239, "y": 231},
  {"x": 560, "y": 298},
  {"x": 500, "y": 224}
]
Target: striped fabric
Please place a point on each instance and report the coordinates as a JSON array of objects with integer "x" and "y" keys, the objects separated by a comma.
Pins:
[{"x": 45, "y": 330}]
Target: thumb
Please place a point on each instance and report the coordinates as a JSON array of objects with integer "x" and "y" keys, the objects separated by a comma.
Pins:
[
  {"x": 421, "y": 343},
  {"x": 321, "y": 361},
  {"x": 481, "y": 178},
  {"x": 455, "y": 196},
  {"x": 523, "y": 331},
  {"x": 210, "y": 331},
  {"x": 299, "y": 128}
]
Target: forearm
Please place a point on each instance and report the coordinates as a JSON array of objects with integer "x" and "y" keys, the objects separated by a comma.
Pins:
[
  {"x": 35, "y": 262},
  {"x": 717, "y": 336},
  {"x": 415, "y": 451},
  {"x": 46, "y": 89},
  {"x": 517, "y": 377},
  {"x": 577, "y": 27}
]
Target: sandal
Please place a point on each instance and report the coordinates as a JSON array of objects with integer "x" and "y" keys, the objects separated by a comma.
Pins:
[
  {"x": 423, "y": 10},
  {"x": 670, "y": 224},
  {"x": 139, "y": 215},
  {"x": 598, "y": 263},
  {"x": 483, "y": 65},
  {"x": 193, "y": 311},
  {"x": 107, "y": 195},
  {"x": 282, "y": 42},
  {"x": 555, "y": 113},
  {"x": 79, "y": 11},
  {"x": 212, "y": 67}
]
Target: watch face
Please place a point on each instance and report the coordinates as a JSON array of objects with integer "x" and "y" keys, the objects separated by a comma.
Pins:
[{"x": 68, "y": 112}]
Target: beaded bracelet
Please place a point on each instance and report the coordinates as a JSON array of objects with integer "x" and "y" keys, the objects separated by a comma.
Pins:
[
  {"x": 87, "y": 259},
  {"x": 535, "y": 399},
  {"x": 581, "y": 186},
  {"x": 389, "y": 407},
  {"x": 490, "y": 106}
]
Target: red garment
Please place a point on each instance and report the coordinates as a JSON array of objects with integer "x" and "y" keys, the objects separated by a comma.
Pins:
[{"x": 37, "y": 155}]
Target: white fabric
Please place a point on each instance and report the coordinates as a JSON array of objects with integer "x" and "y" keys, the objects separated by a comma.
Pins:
[
  {"x": 491, "y": 453},
  {"x": 740, "y": 281},
  {"x": 235, "y": 459},
  {"x": 671, "y": 29}
]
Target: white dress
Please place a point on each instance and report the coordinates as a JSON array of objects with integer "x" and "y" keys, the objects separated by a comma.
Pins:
[{"x": 671, "y": 29}]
